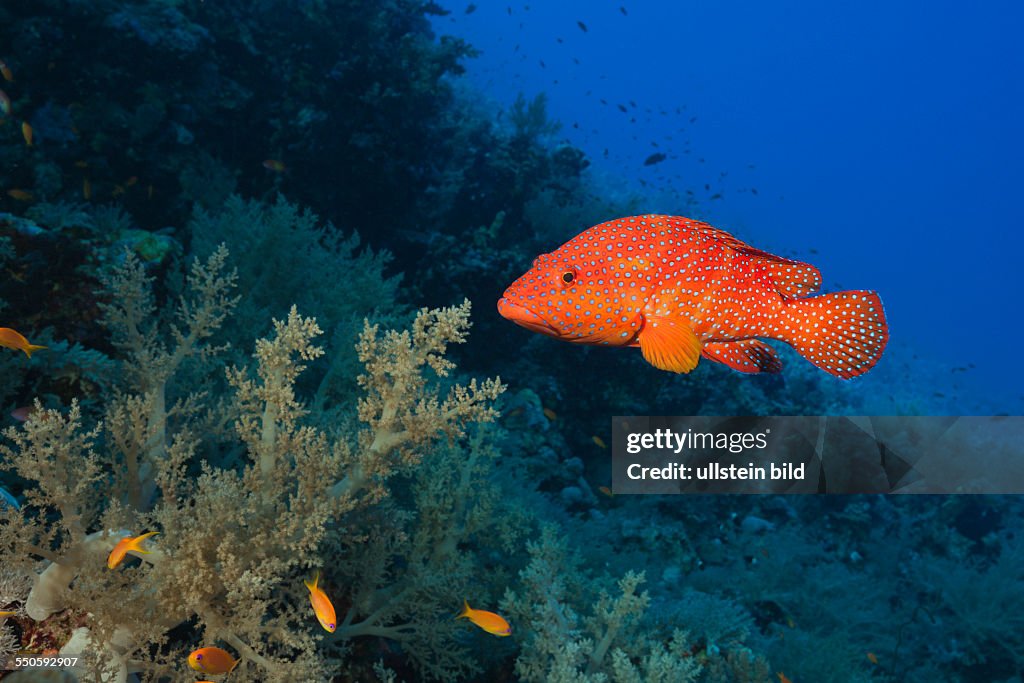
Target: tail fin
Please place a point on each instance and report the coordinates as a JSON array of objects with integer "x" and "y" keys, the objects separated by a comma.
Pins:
[
  {"x": 136, "y": 544},
  {"x": 465, "y": 610},
  {"x": 843, "y": 333},
  {"x": 32, "y": 348},
  {"x": 316, "y": 580}
]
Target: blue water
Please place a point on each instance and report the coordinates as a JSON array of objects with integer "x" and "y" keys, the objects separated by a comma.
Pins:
[{"x": 886, "y": 137}]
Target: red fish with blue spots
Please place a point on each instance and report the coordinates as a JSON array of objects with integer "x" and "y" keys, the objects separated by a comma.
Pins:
[{"x": 680, "y": 290}]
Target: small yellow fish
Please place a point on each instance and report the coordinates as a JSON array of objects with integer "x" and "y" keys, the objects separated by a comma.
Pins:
[
  {"x": 872, "y": 658},
  {"x": 322, "y": 607},
  {"x": 15, "y": 340},
  {"x": 550, "y": 414},
  {"x": 4, "y": 615},
  {"x": 5, "y": 103},
  {"x": 212, "y": 660},
  {"x": 126, "y": 545},
  {"x": 599, "y": 441},
  {"x": 20, "y": 195},
  {"x": 26, "y": 132},
  {"x": 6, "y": 72},
  {"x": 488, "y": 621},
  {"x": 274, "y": 165}
]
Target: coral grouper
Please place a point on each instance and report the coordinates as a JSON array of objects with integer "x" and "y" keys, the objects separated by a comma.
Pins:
[{"x": 681, "y": 289}]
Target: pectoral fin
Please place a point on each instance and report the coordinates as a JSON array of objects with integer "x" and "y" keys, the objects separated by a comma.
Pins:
[{"x": 669, "y": 344}]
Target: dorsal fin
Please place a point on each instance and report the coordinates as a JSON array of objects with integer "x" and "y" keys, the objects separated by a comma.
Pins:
[{"x": 793, "y": 279}]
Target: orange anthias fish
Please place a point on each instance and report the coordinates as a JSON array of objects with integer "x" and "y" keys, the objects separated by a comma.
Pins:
[
  {"x": 126, "y": 545},
  {"x": 322, "y": 607},
  {"x": 274, "y": 165},
  {"x": 212, "y": 660},
  {"x": 20, "y": 195},
  {"x": 26, "y": 132},
  {"x": 783, "y": 678},
  {"x": 5, "y": 71},
  {"x": 13, "y": 339},
  {"x": 493, "y": 623},
  {"x": 681, "y": 289},
  {"x": 5, "y": 103}
]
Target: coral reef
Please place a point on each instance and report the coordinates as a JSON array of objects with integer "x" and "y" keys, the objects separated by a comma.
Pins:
[
  {"x": 232, "y": 539},
  {"x": 258, "y": 383},
  {"x": 563, "y": 645}
]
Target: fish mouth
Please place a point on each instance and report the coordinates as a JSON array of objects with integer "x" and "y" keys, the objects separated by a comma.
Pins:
[{"x": 524, "y": 317}]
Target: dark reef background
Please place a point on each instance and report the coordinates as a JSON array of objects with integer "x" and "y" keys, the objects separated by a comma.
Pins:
[{"x": 338, "y": 150}]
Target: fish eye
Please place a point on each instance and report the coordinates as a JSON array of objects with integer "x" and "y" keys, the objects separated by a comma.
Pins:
[
  {"x": 568, "y": 277},
  {"x": 198, "y": 657}
]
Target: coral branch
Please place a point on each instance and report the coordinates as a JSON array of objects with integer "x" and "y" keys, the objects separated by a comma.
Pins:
[{"x": 401, "y": 414}]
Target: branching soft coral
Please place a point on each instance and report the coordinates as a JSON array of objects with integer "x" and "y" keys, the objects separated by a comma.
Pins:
[
  {"x": 15, "y": 583},
  {"x": 558, "y": 650},
  {"x": 413, "y": 569},
  {"x": 272, "y": 398},
  {"x": 406, "y": 418},
  {"x": 284, "y": 244},
  {"x": 235, "y": 543},
  {"x": 53, "y": 450},
  {"x": 151, "y": 362},
  {"x": 402, "y": 418}
]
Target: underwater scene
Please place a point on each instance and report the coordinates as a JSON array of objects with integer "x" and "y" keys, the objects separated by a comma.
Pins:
[{"x": 321, "y": 322}]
